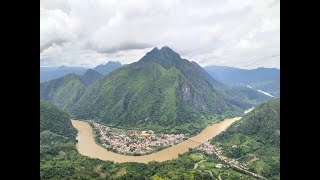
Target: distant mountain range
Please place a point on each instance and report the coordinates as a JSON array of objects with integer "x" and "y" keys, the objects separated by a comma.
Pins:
[
  {"x": 107, "y": 68},
  {"x": 49, "y": 73},
  {"x": 54, "y": 72},
  {"x": 161, "y": 91},
  {"x": 265, "y": 79}
]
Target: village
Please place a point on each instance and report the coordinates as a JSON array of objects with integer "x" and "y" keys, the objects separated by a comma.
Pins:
[
  {"x": 212, "y": 149},
  {"x": 133, "y": 142}
]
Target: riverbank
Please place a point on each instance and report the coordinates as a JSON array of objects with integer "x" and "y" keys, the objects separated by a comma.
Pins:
[
  {"x": 87, "y": 146},
  {"x": 132, "y": 142}
]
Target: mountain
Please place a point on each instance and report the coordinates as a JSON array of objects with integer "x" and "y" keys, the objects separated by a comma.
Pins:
[
  {"x": 161, "y": 91},
  {"x": 239, "y": 96},
  {"x": 257, "y": 137},
  {"x": 54, "y": 72},
  {"x": 90, "y": 76},
  {"x": 266, "y": 79},
  {"x": 107, "y": 68},
  {"x": 63, "y": 92}
]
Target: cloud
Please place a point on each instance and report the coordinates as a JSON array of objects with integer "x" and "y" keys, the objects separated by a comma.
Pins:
[
  {"x": 221, "y": 32},
  {"x": 120, "y": 47},
  {"x": 55, "y": 28}
]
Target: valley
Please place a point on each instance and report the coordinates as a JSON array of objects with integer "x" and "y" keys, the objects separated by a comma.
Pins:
[
  {"x": 263, "y": 92},
  {"x": 88, "y": 147},
  {"x": 205, "y": 155},
  {"x": 161, "y": 110},
  {"x": 161, "y": 92},
  {"x": 157, "y": 90}
]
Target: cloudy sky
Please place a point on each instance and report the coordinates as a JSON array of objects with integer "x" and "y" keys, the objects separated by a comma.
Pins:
[{"x": 238, "y": 33}]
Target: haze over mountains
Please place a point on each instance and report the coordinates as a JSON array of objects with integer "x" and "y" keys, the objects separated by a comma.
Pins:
[
  {"x": 107, "y": 68},
  {"x": 54, "y": 72},
  {"x": 49, "y": 73},
  {"x": 161, "y": 91},
  {"x": 266, "y": 79}
]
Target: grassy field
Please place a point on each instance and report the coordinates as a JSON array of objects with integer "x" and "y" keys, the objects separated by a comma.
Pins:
[{"x": 196, "y": 157}]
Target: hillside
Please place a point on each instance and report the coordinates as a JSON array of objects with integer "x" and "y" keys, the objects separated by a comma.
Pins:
[
  {"x": 59, "y": 158},
  {"x": 90, "y": 76},
  {"x": 63, "y": 92},
  {"x": 56, "y": 121},
  {"x": 257, "y": 139},
  {"x": 266, "y": 79},
  {"x": 107, "y": 68},
  {"x": 161, "y": 92}
]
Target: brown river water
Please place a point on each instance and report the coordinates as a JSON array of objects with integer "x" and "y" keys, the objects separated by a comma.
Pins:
[{"x": 87, "y": 146}]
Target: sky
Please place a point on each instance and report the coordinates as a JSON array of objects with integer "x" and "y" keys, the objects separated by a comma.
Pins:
[{"x": 237, "y": 33}]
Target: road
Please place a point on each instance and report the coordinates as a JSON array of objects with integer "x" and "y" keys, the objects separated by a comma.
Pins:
[{"x": 196, "y": 164}]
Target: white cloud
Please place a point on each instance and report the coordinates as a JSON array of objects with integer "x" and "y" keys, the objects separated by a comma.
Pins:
[{"x": 239, "y": 33}]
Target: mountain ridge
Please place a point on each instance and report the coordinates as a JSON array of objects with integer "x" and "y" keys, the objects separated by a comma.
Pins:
[
  {"x": 108, "y": 67},
  {"x": 161, "y": 91},
  {"x": 266, "y": 79},
  {"x": 90, "y": 76}
]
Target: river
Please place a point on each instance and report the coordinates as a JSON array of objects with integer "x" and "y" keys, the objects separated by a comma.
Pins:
[
  {"x": 87, "y": 146},
  {"x": 263, "y": 92}
]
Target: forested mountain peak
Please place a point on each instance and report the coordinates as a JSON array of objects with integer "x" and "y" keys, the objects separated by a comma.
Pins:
[{"x": 165, "y": 56}]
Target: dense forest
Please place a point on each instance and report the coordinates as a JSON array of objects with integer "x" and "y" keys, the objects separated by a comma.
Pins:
[
  {"x": 55, "y": 121},
  {"x": 255, "y": 139}
]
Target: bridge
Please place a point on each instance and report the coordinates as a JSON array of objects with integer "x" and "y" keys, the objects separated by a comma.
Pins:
[{"x": 194, "y": 140}]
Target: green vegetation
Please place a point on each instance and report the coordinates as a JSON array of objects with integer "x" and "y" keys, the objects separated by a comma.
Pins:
[
  {"x": 63, "y": 92},
  {"x": 56, "y": 121},
  {"x": 196, "y": 157},
  {"x": 161, "y": 92},
  {"x": 164, "y": 93},
  {"x": 59, "y": 158},
  {"x": 90, "y": 76},
  {"x": 208, "y": 163},
  {"x": 257, "y": 140},
  {"x": 131, "y": 97}
]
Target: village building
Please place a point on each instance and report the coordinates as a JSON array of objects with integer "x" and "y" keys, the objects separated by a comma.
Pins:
[{"x": 219, "y": 166}]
